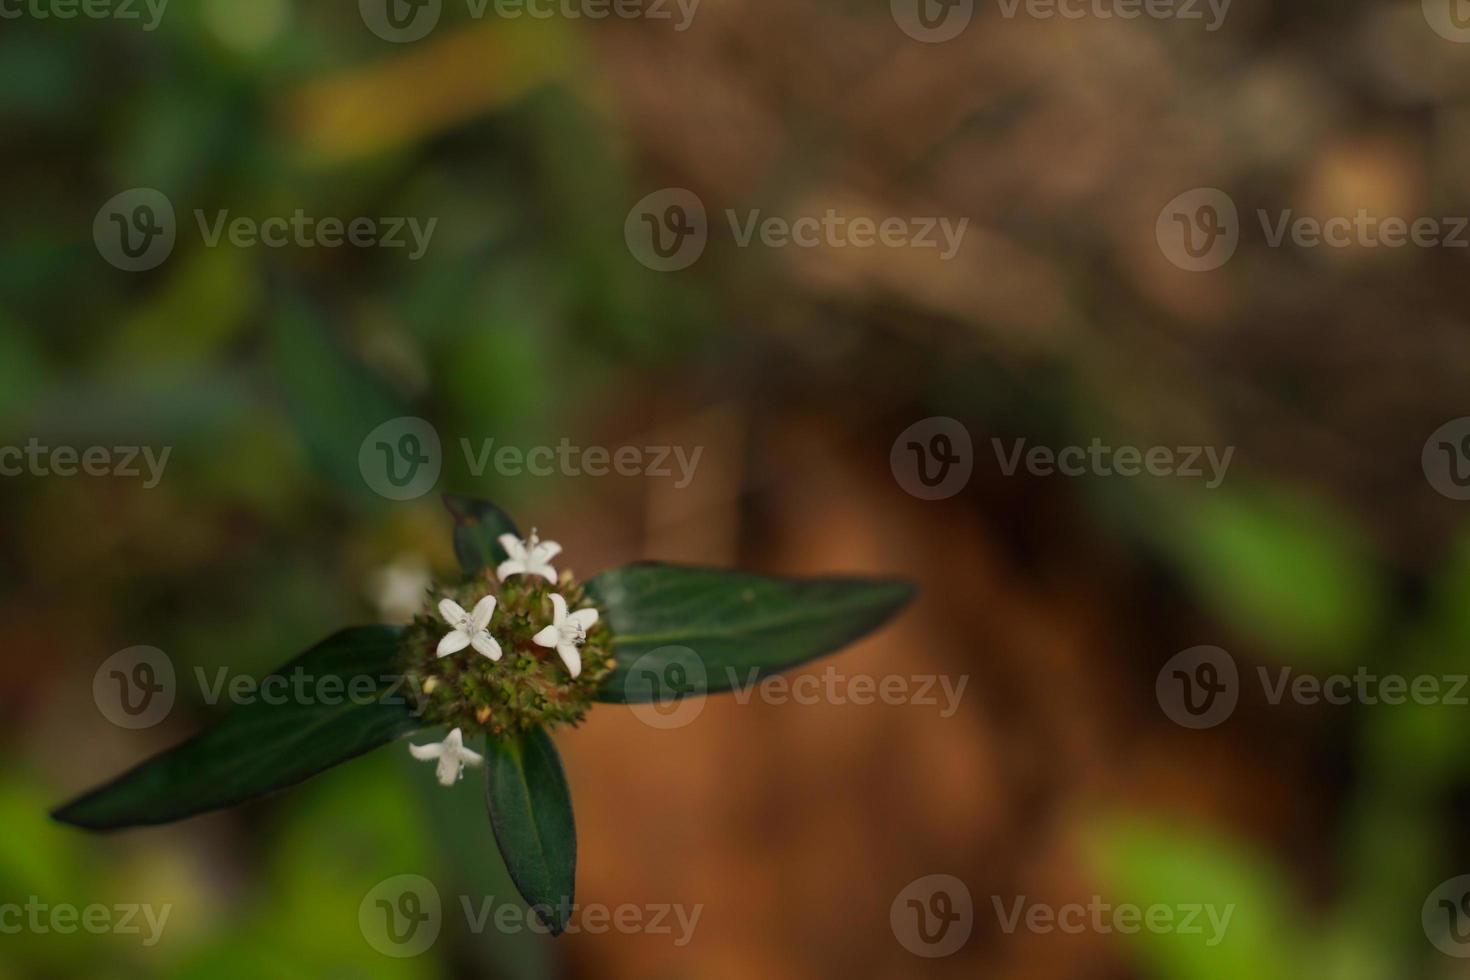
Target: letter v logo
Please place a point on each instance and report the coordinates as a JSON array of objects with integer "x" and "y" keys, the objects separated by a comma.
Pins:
[{"x": 401, "y": 21}]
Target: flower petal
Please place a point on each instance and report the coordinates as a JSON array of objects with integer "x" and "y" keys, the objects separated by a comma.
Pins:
[
  {"x": 512, "y": 566},
  {"x": 513, "y": 546},
  {"x": 546, "y": 572},
  {"x": 558, "y": 609},
  {"x": 584, "y": 618},
  {"x": 453, "y": 642},
  {"x": 572, "y": 657},
  {"x": 470, "y": 757},
  {"x": 484, "y": 609},
  {"x": 426, "y": 752},
  {"x": 545, "y": 551},
  {"x": 548, "y": 637},
  {"x": 452, "y": 611},
  {"x": 485, "y": 645},
  {"x": 454, "y": 741},
  {"x": 450, "y": 769}
]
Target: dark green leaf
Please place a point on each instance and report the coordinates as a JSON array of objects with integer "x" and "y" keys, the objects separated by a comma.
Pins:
[
  {"x": 260, "y": 746},
  {"x": 738, "y": 626},
  {"x": 478, "y": 524},
  {"x": 453, "y": 818},
  {"x": 531, "y": 811}
]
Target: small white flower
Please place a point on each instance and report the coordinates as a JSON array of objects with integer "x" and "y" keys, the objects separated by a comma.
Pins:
[
  {"x": 398, "y": 589},
  {"x": 452, "y": 756},
  {"x": 566, "y": 633},
  {"x": 469, "y": 628},
  {"x": 529, "y": 557}
]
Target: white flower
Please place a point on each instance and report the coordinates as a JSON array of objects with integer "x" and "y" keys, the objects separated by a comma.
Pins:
[
  {"x": 469, "y": 628},
  {"x": 452, "y": 756},
  {"x": 566, "y": 633},
  {"x": 529, "y": 557},
  {"x": 398, "y": 589}
]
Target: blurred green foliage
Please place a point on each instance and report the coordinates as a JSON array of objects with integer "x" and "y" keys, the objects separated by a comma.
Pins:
[{"x": 264, "y": 369}]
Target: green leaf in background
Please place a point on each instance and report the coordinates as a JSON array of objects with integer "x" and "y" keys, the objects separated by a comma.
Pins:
[
  {"x": 328, "y": 852},
  {"x": 502, "y": 372},
  {"x": 1432, "y": 732},
  {"x": 263, "y": 746},
  {"x": 1256, "y": 929},
  {"x": 334, "y": 400},
  {"x": 1285, "y": 572},
  {"x": 40, "y": 858},
  {"x": 201, "y": 309},
  {"x": 741, "y": 626},
  {"x": 22, "y": 372},
  {"x": 478, "y": 525},
  {"x": 531, "y": 811},
  {"x": 36, "y": 856}
]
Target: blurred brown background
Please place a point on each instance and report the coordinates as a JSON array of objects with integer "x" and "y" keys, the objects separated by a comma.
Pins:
[{"x": 1062, "y": 318}]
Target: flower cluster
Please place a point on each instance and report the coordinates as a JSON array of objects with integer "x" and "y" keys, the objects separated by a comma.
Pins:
[{"x": 509, "y": 681}]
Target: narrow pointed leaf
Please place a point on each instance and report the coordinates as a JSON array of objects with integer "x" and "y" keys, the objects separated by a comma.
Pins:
[
  {"x": 531, "y": 811},
  {"x": 478, "y": 525},
  {"x": 260, "y": 746},
  {"x": 739, "y": 626}
]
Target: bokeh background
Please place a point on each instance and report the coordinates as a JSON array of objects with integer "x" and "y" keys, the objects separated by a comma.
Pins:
[{"x": 529, "y": 320}]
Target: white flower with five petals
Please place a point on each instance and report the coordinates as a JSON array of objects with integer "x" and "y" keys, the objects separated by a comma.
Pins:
[
  {"x": 452, "y": 756},
  {"x": 469, "y": 629},
  {"x": 529, "y": 557},
  {"x": 566, "y": 633}
]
